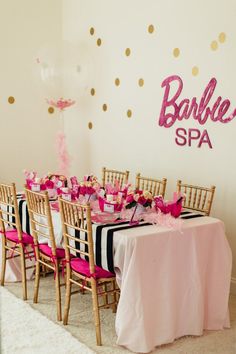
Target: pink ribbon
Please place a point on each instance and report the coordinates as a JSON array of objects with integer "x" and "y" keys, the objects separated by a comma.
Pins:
[
  {"x": 24, "y": 249},
  {"x": 53, "y": 259},
  {"x": 64, "y": 261}
]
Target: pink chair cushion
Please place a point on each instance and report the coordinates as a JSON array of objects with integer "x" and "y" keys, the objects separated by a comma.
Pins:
[
  {"x": 12, "y": 235},
  {"x": 60, "y": 252},
  {"x": 82, "y": 266}
]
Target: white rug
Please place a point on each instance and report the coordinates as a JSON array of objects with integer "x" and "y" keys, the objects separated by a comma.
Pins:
[
  {"x": 81, "y": 327},
  {"x": 26, "y": 331}
]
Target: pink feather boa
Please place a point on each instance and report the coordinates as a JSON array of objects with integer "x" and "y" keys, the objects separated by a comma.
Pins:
[
  {"x": 63, "y": 156},
  {"x": 154, "y": 217},
  {"x": 159, "y": 218}
]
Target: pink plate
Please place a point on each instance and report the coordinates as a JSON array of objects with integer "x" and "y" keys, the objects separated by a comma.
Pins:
[{"x": 105, "y": 218}]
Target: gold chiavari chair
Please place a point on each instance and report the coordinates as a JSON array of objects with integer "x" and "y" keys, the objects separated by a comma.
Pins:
[
  {"x": 81, "y": 270},
  {"x": 47, "y": 254},
  {"x": 196, "y": 198},
  {"x": 14, "y": 241},
  {"x": 155, "y": 186},
  {"x": 110, "y": 176}
]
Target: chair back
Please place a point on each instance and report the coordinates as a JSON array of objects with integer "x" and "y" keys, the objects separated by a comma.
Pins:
[
  {"x": 155, "y": 186},
  {"x": 110, "y": 176},
  {"x": 196, "y": 197},
  {"x": 40, "y": 218},
  {"x": 77, "y": 231},
  {"x": 9, "y": 212}
]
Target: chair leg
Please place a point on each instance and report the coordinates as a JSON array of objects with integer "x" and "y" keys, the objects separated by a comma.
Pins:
[
  {"x": 23, "y": 272},
  {"x": 58, "y": 291},
  {"x": 4, "y": 254},
  {"x": 114, "y": 307},
  {"x": 105, "y": 296},
  {"x": 43, "y": 270},
  {"x": 36, "y": 282},
  {"x": 96, "y": 312},
  {"x": 67, "y": 301}
]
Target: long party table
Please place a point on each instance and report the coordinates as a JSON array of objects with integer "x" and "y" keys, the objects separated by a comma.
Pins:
[{"x": 173, "y": 282}]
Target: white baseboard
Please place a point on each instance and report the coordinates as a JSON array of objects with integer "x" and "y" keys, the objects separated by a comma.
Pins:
[{"x": 233, "y": 286}]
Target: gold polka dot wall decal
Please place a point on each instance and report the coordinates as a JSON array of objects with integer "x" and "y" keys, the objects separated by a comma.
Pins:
[
  {"x": 92, "y": 31},
  {"x": 90, "y": 125},
  {"x": 99, "y": 42},
  {"x": 127, "y": 52},
  {"x": 50, "y": 110},
  {"x": 92, "y": 91},
  {"x": 117, "y": 81},
  {"x": 11, "y": 99},
  {"x": 214, "y": 45},
  {"x": 195, "y": 71},
  {"x": 129, "y": 113},
  {"x": 176, "y": 52},
  {"x": 222, "y": 37},
  {"x": 104, "y": 107},
  {"x": 150, "y": 28},
  {"x": 141, "y": 82}
]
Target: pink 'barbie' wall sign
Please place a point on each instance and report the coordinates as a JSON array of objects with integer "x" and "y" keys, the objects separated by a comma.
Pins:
[{"x": 206, "y": 110}]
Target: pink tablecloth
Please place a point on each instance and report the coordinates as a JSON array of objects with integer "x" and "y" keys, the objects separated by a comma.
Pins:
[{"x": 172, "y": 284}]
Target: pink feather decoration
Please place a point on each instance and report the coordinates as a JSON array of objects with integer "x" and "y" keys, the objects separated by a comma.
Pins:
[
  {"x": 159, "y": 218},
  {"x": 61, "y": 104},
  {"x": 63, "y": 156}
]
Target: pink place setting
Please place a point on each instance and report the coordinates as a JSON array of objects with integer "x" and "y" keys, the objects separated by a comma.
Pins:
[{"x": 106, "y": 218}]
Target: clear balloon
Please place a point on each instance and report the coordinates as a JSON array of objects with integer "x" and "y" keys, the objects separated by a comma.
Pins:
[{"x": 64, "y": 69}]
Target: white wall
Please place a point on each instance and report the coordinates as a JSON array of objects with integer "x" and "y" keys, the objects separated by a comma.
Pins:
[
  {"x": 138, "y": 143},
  {"x": 27, "y": 29},
  {"x": 27, "y": 130}
]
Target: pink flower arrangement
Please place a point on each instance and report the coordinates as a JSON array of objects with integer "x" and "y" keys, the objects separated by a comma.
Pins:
[
  {"x": 57, "y": 179},
  {"x": 143, "y": 198},
  {"x": 89, "y": 185},
  {"x": 51, "y": 182},
  {"x": 61, "y": 104},
  {"x": 86, "y": 189}
]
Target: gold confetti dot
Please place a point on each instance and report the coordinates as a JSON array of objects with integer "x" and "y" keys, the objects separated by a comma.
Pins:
[
  {"x": 99, "y": 42},
  {"x": 141, "y": 82},
  {"x": 50, "y": 110},
  {"x": 90, "y": 125},
  {"x": 222, "y": 37},
  {"x": 214, "y": 45},
  {"x": 129, "y": 113},
  {"x": 117, "y": 81},
  {"x": 11, "y": 99},
  {"x": 176, "y": 52},
  {"x": 92, "y": 31},
  {"x": 127, "y": 52},
  {"x": 150, "y": 28},
  {"x": 195, "y": 71},
  {"x": 92, "y": 91},
  {"x": 104, "y": 107}
]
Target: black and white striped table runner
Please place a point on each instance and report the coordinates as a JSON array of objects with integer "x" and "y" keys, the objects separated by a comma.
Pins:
[
  {"x": 102, "y": 234},
  {"x": 103, "y": 239}
]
